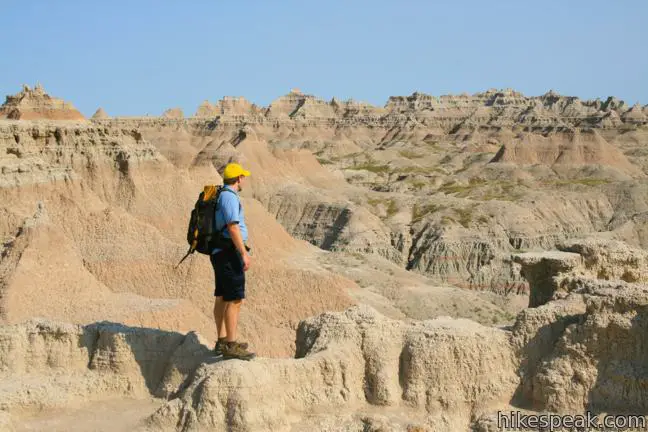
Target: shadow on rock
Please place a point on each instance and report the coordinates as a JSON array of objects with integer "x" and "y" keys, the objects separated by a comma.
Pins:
[{"x": 159, "y": 360}]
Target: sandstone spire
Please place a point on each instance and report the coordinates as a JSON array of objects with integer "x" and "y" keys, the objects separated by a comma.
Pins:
[
  {"x": 100, "y": 114},
  {"x": 206, "y": 109},
  {"x": 36, "y": 104},
  {"x": 634, "y": 115},
  {"x": 173, "y": 113}
]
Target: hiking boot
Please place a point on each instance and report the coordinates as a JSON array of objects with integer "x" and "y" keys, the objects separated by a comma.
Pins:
[
  {"x": 234, "y": 350},
  {"x": 220, "y": 345},
  {"x": 218, "y": 349}
]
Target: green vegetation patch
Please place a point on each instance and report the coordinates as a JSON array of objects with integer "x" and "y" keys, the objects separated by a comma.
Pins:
[
  {"x": 371, "y": 167},
  {"x": 583, "y": 181},
  {"x": 391, "y": 204},
  {"x": 410, "y": 154},
  {"x": 465, "y": 216},
  {"x": 494, "y": 190},
  {"x": 392, "y": 208},
  {"x": 417, "y": 169},
  {"x": 503, "y": 191},
  {"x": 483, "y": 219},
  {"x": 419, "y": 211},
  {"x": 462, "y": 191},
  {"x": 447, "y": 220},
  {"x": 419, "y": 184}
]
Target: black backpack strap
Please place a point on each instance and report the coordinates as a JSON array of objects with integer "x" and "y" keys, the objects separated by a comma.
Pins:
[
  {"x": 223, "y": 189},
  {"x": 189, "y": 252}
]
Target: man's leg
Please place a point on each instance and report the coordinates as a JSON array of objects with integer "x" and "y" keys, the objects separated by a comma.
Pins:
[
  {"x": 233, "y": 349},
  {"x": 233, "y": 295},
  {"x": 219, "y": 303},
  {"x": 232, "y": 312},
  {"x": 219, "y": 316}
]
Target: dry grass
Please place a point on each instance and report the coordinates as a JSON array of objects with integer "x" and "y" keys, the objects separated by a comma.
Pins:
[
  {"x": 392, "y": 206},
  {"x": 410, "y": 154},
  {"x": 451, "y": 187},
  {"x": 465, "y": 216},
  {"x": 371, "y": 167},
  {"x": 418, "y": 211},
  {"x": 583, "y": 181}
]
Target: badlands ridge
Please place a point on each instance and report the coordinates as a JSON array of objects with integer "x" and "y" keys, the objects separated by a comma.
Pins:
[{"x": 417, "y": 266}]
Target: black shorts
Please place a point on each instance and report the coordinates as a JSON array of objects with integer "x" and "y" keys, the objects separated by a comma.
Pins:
[{"x": 230, "y": 277}]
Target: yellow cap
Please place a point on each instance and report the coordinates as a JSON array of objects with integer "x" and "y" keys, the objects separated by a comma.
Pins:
[{"x": 234, "y": 170}]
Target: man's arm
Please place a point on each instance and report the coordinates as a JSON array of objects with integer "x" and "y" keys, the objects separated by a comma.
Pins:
[{"x": 237, "y": 239}]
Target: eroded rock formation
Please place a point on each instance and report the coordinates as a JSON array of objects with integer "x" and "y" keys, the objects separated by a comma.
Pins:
[
  {"x": 581, "y": 349},
  {"x": 100, "y": 114},
  {"x": 347, "y": 363},
  {"x": 447, "y": 186},
  {"x": 173, "y": 113},
  {"x": 583, "y": 346},
  {"x": 97, "y": 215},
  {"x": 493, "y": 191},
  {"x": 36, "y": 104}
]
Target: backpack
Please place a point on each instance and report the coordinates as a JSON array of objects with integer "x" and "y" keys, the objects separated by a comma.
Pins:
[{"x": 202, "y": 234}]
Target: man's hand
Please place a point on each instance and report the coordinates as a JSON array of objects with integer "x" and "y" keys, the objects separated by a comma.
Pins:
[{"x": 247, "y": 260}]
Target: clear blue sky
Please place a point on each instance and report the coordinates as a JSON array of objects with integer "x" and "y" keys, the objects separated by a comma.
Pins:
[{"x": 138, "y": 57}]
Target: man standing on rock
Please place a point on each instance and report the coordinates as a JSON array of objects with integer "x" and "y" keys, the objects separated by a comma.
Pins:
[{"x": 230, "y": 263}]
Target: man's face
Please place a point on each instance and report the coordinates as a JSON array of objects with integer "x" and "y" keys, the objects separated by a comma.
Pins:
[{"x": 241, "y": 181}]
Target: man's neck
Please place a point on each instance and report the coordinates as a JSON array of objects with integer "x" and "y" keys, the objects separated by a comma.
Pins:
[{"x": 234, "y": 187}]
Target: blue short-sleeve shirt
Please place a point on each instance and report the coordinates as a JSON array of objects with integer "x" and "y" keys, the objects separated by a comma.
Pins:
[{"x": 230, "y": 210}]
